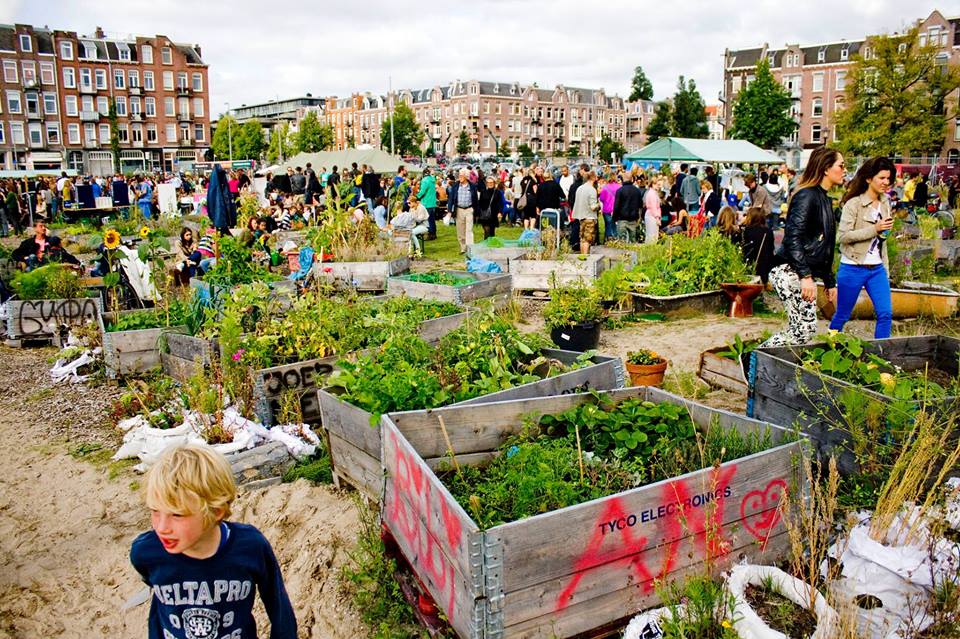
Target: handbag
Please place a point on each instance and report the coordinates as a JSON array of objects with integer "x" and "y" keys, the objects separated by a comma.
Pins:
[{"x": 522, "y": 202}]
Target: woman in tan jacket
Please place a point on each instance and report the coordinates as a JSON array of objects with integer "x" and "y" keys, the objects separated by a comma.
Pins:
[{"x": 864, "y": 225}]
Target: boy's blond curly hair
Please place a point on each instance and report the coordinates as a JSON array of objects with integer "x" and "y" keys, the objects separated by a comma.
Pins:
[{"x": 189, "y": 480}]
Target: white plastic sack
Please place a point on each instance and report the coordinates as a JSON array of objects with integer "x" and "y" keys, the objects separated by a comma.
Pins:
[
  {"x": 952, "y": 513},
  {"x": 64, "y": 371},
  {"x": 299, "y": 439},
  {"x": 138, "y": 274},
  {"x": 749, "y": 625},
  {"x": 647, "y": 625}
]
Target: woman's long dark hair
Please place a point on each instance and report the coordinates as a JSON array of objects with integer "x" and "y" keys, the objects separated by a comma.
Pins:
[
  {"x": 860, "y": 182},
  {"x": 819, "y": 163},
  {"x": 184, "y": 231}
]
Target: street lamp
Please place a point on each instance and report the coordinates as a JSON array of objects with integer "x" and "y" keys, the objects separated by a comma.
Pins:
[{"x": 230, "y": 133}]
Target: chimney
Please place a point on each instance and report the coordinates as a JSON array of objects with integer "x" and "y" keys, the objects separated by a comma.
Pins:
[{"x": 99, "y": 33}]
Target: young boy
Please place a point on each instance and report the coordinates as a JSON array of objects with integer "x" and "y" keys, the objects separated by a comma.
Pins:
[{"x": 203, "y": 571}]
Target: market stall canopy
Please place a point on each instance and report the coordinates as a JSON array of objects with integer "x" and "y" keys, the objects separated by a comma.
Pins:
[
  {"x": 31, "y": 173},
  {"x": 690, "y": 150},
  {"x": 381, "y": 161}
]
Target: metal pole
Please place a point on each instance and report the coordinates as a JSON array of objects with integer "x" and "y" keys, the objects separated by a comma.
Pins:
[{"x": 390, "y": 105}]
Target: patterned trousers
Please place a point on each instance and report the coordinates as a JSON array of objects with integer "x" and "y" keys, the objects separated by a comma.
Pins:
[{"x": 801, "y": 314}]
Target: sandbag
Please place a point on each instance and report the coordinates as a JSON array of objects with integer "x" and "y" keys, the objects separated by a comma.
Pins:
[
  {"x": 647, "y": 625},
  {"x": 749, "y": 625}
]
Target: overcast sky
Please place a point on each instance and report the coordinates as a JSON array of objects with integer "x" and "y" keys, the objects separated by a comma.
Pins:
[{"x": 259, "y": 50}]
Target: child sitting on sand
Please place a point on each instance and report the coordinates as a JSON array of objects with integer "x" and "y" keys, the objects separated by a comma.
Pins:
[{"x": 203, "y": 571}]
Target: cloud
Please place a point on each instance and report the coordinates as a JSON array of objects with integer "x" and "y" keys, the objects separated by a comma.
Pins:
[{"x": 260, "y": 50}]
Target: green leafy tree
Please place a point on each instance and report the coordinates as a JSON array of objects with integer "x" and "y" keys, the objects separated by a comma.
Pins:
[
  {"x": 247, "y": 139},
  {"x": 114, "y": 134},
  {"x": 761, "y": 114},
  {"x": 505, "y": 147},
  {"x": 226, "y": 126},
  {"x": 896, "y": 100},
  {"x": 312, "y": 135},
  {"x": 641, "y": 88},
  {"x": 573, "y": 151},
  {"x": 689, "y": 114},
  {"x": 282, "y": 143},
  {"x": 661, "y": 125},
  {"x": 608, "y": 146},
  {"x": 407, "y": 134},
  {"x": 463, "y": 142},
  {"x": 524, "y": 150}
]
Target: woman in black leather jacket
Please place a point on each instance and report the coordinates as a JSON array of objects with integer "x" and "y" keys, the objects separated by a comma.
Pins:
[{"x": 809, "y": 238}]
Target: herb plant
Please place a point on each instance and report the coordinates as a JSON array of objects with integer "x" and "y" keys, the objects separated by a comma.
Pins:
[
  {"x": 572, "y": 304},
  {"x": 644, "y": 357},
  {"x": 49, "y": 282},
  {"x": 692, "y": 265}
]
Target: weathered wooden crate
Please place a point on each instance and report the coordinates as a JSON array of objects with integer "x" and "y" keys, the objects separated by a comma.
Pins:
[
  {"x": 306, "y": 377},
  {"x": 486, "y": 285},
  {"x": 39, "y": 319},
  {"x": 531, "y": 274},
  {"x": 355, "y": 442},
  {"x": 566, "y": 572},
  {"x": 283, "y": 291},
  {"x": 704, "y": 302},
  {"x": 186, "y": 353},
  {"x": 625, "y": 257},
  {"x": 503, "y": 256},
  {"x": 131, "y": 352},
  {"x": 721, "y": 372},
  {"x": 362, "y": 276},
  {"x": 783, "y": 392}
]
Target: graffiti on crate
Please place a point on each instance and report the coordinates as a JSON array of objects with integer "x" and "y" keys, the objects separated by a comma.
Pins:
[
  {"x": 411, "y": 517},
  {"x": 36, "y": 316},
  {"x": 760, "y": 510},
  {"x": 296, "y": 377},
  {"x": 682, "y": 510}
]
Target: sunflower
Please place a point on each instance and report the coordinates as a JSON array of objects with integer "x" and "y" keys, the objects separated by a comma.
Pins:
[
  {"x": 144, "y": 232},
  {"x": 111, "y": 239}
]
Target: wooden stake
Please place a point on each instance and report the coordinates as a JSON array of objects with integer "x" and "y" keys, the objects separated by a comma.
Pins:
[
  {"x": 446, "y": 438},
  {"x": 576, "y": 429}
]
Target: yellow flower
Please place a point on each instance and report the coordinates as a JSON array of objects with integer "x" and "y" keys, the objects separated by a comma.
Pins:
[
  {"x": 887, "y": 381},
  {"x": 145, "y": 232},
  {"x": 111, "y": 239},
  {"x": 726, "y": 624}
]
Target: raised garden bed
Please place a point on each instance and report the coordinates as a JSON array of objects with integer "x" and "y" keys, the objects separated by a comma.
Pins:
[
  {"x": 355, "y": 442},
  {"x": 703, "y": 302},
  {"x": 186, "y": 353},
  {"x": 281, "y": 289},
  {"x": 459, "y": 287},
  {"x": 133, "y": 351},
  {"x": 722, "y": 372},
  {"x": 569, "y": 571},
  {"x": 782, "y": 391},
  {"x": 40, "y": 319},
  {"x": 502, "y": 255},
  {"x": 530, "y": 274},
  {"x": 626, "y": 257},
  {"x": 910, "y": 299},
  {"x": 362, "y": 276}
]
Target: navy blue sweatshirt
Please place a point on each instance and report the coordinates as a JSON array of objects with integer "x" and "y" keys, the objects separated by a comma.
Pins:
[{"x": 213, "y": 598}]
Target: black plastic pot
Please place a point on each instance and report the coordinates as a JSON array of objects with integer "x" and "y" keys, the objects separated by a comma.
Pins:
[{"x": 577, "y": 337}]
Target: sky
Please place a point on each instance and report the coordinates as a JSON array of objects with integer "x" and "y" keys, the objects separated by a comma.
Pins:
[{"x": 258, "y": 51}]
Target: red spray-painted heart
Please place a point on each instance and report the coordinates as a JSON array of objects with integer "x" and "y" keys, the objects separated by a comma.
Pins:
[{"x": 760, "y": 509}]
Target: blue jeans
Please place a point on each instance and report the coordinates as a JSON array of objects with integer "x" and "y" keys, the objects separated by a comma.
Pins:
[
  {"x": 609, "y": 228},
  {"x": 432, "y": 221},
  {"x": 851, "y": 278}
]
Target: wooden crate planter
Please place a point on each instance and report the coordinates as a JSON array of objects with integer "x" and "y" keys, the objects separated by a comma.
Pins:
[
  {"x": 306, "y": 377},
  {"x": 721, "y": 372},
  {"x": 131, "y": 352},
  {"x": 362, "y": 276},
  {"x": 503, "y": 256},
  {"x": 531, "y": 274},
  {"x": 625, "y": 257},
  {"x": 355, "y": 442},
  {"x": 783, "y": 392},
  {"x": 39, "y": 319},
  {"x": 692, "y": 303},
  {"x": 910, "y": 299},
  {"x": 567, "y": 572},
  {"x": 486, "y": 285},
  {"x": 186, "y": 353}
]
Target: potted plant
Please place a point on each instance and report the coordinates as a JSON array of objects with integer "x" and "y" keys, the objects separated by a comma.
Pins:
[
  {"x": 573, "y": 316},
  {"x": 646, "y": 367}
]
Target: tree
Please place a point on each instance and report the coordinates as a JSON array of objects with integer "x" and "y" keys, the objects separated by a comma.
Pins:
[
  {"x": 114, "y": 134},
  {"x": 505, "y": 148},
  {"x": 407, "y": 134},
  {"x": 282, "y": 144},
  {"x": 524, "y": 151},
  {"x": 641, "y": 87},
  {"x": 463, "y": 142},
  {"x": 895, "y": 100},
  {"x": 312, "y": 135},
  {"x": 607, "y": 147},
  {"x": 761, "y": 114},
  {"x": 689, "y": 114},
  {"x": 573, "y": 151},
  {"x": 247, "y": 139},
  {"x": 661, "y": 125}
]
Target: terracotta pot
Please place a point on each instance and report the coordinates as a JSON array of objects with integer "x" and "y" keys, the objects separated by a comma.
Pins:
[
  {"x": 647, "y": 374},
  {"x": 741, "y": 297}
]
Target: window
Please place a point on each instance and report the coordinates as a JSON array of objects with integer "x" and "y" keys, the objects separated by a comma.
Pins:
[
  {"x": 815, "y": 133},
  {"x": 135, "y": 105},
  {"x": 10, "y": 75},
  {"x": 33, "y": 103},
  {"x": 841, "y": 80},
  {"x": 181, "y": 81},
  {"x": 36, "y": 134},
  {"x": 69, "y": 78},
  {"x": 822, "y": 54},
  {"x": 104, "y": 134},
  {"x": 902, "y": 47},
  {"x": 148, "y": 80},
  {"x": 16, "y": 133},
  {"x": 185, "y": 133},
  {"x": 838, "y": 103},
  {"x": 183, "y": 107},
  {"x": 87, "y": 103},
  {"x": 168, "y": 80},
  {"x": 171, "y": 133},
  {"x": 73, "y": 133},
  {"x": 86, "y": 78},
  {"x": 53, "y": 133},
  {"x": 150, "y": 107},
  {"x": 66, "y": 51},
  {"x": 198, "y": 107},
  {"x": 29, "y": 74},
  {"x": 136, "y": 133},
  {"x": 844, "y": 53},
  {"x": 119, "y": 79},
  {"x": 168, "y": 107},
  {"x": 103, "y": 105},
  {"x": 133, "y": 79},
  {"x": 124, "y": 52},
  {"x": 818, "y": 82},
  {"x": 956, "y": 129},
  {"x": 792, "y": 84},
  {"x": 70, "y": 104},
  {"x": 867, "y": 53},
  {"x": 151, "y": 133},
  {"x": 101, "y": 78},
  {"x": 146, "y": 54},
  {"x": 166, "y": 55},
  {"x": 50, "y": 103},
  {"x": 735, "y": 84},
  {"x": 197, "y": 82},
  {"x": 90, "y": 132},
  {"x": 198, "y": 132},
  {"x": 13, "y": 102},
  {"x": 122, "y": 133},
  {"x": 46, "y": 72},
  {"x": 90, "y": 50},
  {"x": 121, "y": 104},
  {"x": 817, "y": 107},
  {"x": 26, "y": 44}
]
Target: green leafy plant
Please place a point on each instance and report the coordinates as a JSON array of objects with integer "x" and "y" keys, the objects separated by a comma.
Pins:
[
  {"x": 739, "y": 347},
  {"x": 52, "y": 281},
  {"x": 707, "y": 613},
  {"x": 235, "y": 265},
  {"x": 441, "y": 278},
  {"x": 644, "y": 357},
  {"x": 572, "y": 304},
  {"x": 691, "y": 265}
]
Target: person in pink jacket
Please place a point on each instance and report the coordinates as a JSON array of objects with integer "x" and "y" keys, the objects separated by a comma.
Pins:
[
  {"x": 608, "y": 193},
  {"x": 651, "y": 215}
]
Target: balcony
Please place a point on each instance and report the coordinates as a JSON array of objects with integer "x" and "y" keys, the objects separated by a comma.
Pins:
[
  {"x": 89, "y": 144},
  {"x": 135, "y": 90},
  {"x": 137, "y": 144},
  {"x": 34, "y": 115},
  {"x": 136, "y": 117},
  {"x": 31, "y": 85},
  {"x": 184, "y": 91},
  {"x": 88, "y": 89},
  {"x": 184, "y": 117},
  {"x": 89, "y": 116}
]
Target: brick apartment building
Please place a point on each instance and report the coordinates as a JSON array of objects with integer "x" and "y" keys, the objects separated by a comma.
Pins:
[
  {"x": 816, "y": 76},
  {"x": 55, "y": 93}
]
